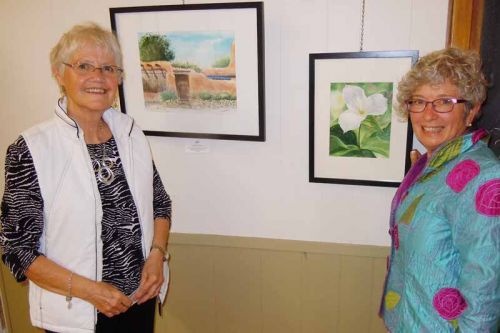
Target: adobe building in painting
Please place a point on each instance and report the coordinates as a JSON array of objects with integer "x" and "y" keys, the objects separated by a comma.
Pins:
[{"x": 189, "y": 76}]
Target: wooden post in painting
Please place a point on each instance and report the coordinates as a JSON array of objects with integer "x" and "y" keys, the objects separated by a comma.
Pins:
[
  {"x": 153, "y": 78},
  {"x": 182, "y": 84}
]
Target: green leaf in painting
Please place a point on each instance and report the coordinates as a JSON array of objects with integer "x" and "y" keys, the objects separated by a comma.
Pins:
[
  {"x": 375, "y": 138},
  {"x": 385, "y": 119},
  {"x": 379, "y": 142},
  {"x": 361, "y": 153},
  {"x": 369, "y": 127},
  {"x": 339, "y": 148},
  {"x": 381, "y": 147},
  {"x": 349, "y": 137}
]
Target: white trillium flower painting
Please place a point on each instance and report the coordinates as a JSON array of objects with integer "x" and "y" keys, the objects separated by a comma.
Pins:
[{"x": 360, "y": 119}]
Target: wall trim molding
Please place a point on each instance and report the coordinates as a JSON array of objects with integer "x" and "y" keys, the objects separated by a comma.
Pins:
[
  {"x": 465, "y": 21},
  {"x": 3, "y": 300},
  {"x": 185, "y": 239}
]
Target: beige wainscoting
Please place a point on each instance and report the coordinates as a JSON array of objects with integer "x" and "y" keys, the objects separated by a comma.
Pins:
[{"x": 237, "y": 284}]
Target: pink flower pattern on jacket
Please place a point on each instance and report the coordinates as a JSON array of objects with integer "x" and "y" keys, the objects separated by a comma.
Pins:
[
  {"x": 478, "y": 135},
  {"x": 488, "y": 198},
  {"x": 395, "y": 236},
  {"x": 462, "y": 174},
  {"x": 449, "y": 303}
]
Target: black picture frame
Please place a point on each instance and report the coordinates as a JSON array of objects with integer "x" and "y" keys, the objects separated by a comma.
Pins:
[
  {"x": 188, "y": 110},
  {"x": 337, "y": 156}
]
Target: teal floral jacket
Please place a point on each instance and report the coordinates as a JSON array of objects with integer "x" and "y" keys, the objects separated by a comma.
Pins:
[{"x": 443, "y": 272}]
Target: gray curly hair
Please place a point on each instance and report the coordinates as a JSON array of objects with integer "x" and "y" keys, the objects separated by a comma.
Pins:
[{"x": 459, "y": 67}]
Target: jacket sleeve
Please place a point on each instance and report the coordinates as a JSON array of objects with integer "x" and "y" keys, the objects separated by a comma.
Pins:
[
  {"x": 476, "y": 233},
  {"x": 21, "y": 211}
]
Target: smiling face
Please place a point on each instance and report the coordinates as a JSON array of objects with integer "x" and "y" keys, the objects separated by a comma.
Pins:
[
  {"x": 92, "y": 92},
  {"x": 432, "y": 128}
]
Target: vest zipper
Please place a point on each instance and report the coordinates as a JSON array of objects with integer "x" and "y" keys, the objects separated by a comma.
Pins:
[{"x": 92, "y": 177}]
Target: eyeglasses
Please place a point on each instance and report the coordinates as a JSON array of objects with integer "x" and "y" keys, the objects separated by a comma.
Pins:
[
  {"x": 84, "y": 68},
  {"x": 441, "y": 105}
]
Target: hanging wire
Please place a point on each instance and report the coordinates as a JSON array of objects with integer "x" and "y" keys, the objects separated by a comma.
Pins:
[{"x": 362, "y": 26}]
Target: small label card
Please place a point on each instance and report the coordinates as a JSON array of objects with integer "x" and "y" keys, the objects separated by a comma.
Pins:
[{"x": 197, "y": 147}]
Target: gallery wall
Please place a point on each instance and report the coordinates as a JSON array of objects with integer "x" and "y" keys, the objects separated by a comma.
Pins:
[{"x": 237, "y": 188}]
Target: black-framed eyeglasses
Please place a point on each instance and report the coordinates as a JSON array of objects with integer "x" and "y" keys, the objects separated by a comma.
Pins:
[
  {"x": 441, "y": 105},
  {"x": 84, "y": 68}
]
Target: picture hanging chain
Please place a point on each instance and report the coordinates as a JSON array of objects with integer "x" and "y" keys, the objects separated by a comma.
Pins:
[{"x": 362, "y": 26}]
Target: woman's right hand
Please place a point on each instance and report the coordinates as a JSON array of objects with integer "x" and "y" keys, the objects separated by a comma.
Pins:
[
  {"x": 108, "y": 300},
  {"x": 414, "y": 156},
  {"x": 51, "y": 276}
]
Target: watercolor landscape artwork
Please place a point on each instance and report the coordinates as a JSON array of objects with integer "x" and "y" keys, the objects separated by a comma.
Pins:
[
  {"x": 188, "y": 70},
  {"x": 194, "y": 70},
  {"x": 360, "y": 119}
]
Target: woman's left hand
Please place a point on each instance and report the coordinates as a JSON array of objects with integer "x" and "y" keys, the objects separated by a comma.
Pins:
[{"x": 151, "y": 279}]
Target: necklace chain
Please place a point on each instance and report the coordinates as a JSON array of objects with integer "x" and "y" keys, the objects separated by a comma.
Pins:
[{"x": 103, "y": 167}]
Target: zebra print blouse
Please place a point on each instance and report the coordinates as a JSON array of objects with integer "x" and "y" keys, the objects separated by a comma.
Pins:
[{"x": 22, "y": 216}]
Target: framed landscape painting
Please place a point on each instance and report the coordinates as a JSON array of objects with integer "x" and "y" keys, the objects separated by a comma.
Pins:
[
  {"x": 355, "y": 134},
  {"x": 194, "y": 71}
]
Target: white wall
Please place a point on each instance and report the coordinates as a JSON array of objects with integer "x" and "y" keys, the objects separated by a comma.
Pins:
[{"x": 257, "y": 189}]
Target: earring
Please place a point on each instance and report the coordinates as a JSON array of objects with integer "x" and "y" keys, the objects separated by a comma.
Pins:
[{"x": 115, "y": 104}]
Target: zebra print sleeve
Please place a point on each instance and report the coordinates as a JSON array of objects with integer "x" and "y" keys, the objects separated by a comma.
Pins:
[
  {"x": 21, "y": 211},
  {"x": 162, "y": 205}
]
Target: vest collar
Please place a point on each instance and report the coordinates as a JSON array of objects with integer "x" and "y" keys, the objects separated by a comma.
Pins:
[{"x": 118, "y": 123}]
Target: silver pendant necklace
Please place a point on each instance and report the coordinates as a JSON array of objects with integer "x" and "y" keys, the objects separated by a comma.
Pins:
[{"x": 103, "y": 167}]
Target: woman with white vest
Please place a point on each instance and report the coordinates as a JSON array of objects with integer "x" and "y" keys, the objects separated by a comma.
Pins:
[{"x": 85, "y": 217}]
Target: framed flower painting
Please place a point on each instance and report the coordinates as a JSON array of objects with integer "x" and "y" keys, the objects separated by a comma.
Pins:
[{"x": 356, "y": 136}]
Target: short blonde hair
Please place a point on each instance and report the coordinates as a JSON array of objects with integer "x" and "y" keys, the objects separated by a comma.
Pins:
[
  {"x": 459, "y": 67},
  {"x": 79, "y": 36}
]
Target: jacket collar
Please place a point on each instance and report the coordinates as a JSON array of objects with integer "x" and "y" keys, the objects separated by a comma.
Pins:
[
  {"x": 427, "y": 166},
  {"x": 451, "y": 150}
]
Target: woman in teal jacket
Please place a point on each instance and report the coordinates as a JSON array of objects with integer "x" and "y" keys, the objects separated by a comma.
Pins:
[{"x": 444, "y": 267}]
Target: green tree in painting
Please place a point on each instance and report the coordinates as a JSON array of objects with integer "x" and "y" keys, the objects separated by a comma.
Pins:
[
  {"x": 360, "y": 119},
  {"x": 221, "y": 62},
  {"x": 154, "y": 47}
]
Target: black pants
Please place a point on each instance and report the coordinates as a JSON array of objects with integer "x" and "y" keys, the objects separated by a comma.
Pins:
[{"x": 137, "y": 319}]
